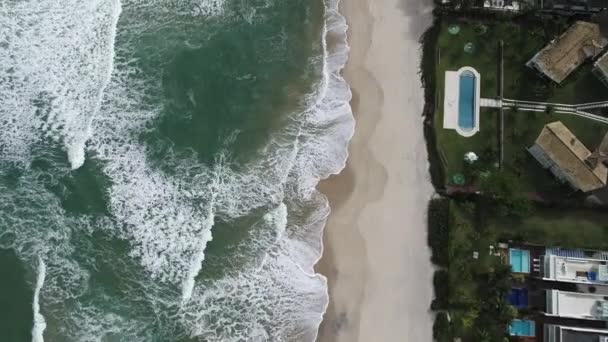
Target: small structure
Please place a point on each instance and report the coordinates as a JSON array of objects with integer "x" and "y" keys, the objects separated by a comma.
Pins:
[
  {"x": 461, "y": 101},
  {"x": 563, "y": 55},
  {"x": 559, "y": 333},
  {"x": 600, "y": 69},
  {"x": 559, "y": 151},
  {"x": 470, "y": 157},
  {"x": 454, "y": 29},
  {"x": 469, "y": 48},
  {"x": 502, "y": 5},
  {"x": 576, "y": 305}
]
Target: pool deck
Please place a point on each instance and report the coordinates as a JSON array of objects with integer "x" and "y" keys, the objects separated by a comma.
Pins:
[{"x": 451, "y": 101}]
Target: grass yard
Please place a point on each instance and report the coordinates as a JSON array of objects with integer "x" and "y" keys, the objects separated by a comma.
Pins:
[
  {"x": 451, "y": 56},
  {"x": 555, "y": 227},
  {"x": 521, "y": 128},
  {"x": 473, "y": 287}
]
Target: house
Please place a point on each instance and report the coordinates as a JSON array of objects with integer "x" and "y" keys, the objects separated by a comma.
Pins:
[
  {"x": 563, "y": 55},
  {"x": 559, "y": 151}
]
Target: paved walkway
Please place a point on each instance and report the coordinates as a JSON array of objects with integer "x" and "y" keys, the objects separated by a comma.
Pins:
[
  {"x": 574, "y": 109},
  {"x": 491, "y": 103}
]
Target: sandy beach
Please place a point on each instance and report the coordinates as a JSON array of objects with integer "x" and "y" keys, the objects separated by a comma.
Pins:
[{"x": 376, "y": 257}]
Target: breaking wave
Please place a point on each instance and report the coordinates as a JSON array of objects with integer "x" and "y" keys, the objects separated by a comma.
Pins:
[
  {"x": 39, "y": 322},
  {"x": 146, "y": 266}
]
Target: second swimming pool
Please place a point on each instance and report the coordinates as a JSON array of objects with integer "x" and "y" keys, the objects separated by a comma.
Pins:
[{"x": 519, "y": 260}]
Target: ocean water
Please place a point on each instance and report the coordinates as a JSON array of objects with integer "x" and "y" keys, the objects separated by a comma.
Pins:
[{"x": 158, "y": 164}]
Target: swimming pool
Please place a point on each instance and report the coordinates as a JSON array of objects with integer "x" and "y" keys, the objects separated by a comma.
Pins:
[
  {"x": 466, "y": 101},
  {"x": 519, "y": 260},
  {"x": 520, "y": 327},
  {"x": 518, "y": 297}
]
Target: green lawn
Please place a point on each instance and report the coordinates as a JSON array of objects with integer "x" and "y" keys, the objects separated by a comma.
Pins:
[
  {"x": 451, "y": 56},
  {"x": 476, "y": 286},
  {"x": 556, "y": 227},
  {"x": 521, "y": 128}
]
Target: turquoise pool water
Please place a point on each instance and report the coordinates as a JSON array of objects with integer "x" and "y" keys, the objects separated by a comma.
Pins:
[
  {"x": 522, "y": 328},
  {"x": 466, "y": 101},
  {"x": 519, "y": 260}
]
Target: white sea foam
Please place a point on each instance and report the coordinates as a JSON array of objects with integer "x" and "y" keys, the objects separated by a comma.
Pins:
[
  {"x": 287, "y": 268},
  {"x": 39, "y": 322},
  {"x": 166, "y": 218},
  {"x": 52, "y": 81},
  {"x": 196, "y": 264}
]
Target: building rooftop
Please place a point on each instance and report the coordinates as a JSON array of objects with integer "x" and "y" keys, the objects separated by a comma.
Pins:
[
  {"x": 555, "y": 333},
  {"x": 503, "y": 4},
  {"x": 570, "y": 155},
  {"x": 602, "y": 64},
  {"x": 577, "y": 305},
  {"x": 578, "y": 270},
  {"x": 566, "y": 53}
]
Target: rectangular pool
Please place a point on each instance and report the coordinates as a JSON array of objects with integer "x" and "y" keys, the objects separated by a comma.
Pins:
[
  {"x": 520, "y": 327},
  {"x": 519, "y": 260},
  {"x": 466, "y": 101},
  {"x": 518, "y": 297}
]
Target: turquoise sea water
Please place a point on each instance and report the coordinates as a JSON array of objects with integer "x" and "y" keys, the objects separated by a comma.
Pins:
[{"x": 157, "y": 167}]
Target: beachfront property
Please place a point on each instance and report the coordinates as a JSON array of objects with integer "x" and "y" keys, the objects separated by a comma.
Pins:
[
  {"x": 462, "y": 101},
  {"x": 554, "y": 264},
  {"x": 582, "y": 41},
  {"x": 559, "y": 151},
  {"x": 559, "y": 333},
  {"x": 574, "y": 269},
  {"x": 576, "y": 305}
]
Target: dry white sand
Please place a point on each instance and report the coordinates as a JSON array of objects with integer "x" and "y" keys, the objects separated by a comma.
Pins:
[{"x": 376, "y": 256}]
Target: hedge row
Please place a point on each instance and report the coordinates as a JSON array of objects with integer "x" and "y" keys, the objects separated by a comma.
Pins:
[
  {"x": 441, "y": 285},
  {"x": 441, "y": 328},
  {"x": 438, "y": 230}
]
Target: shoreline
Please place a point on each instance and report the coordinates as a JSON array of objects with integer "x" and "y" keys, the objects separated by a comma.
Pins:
[{"x": 375, "y": 254}]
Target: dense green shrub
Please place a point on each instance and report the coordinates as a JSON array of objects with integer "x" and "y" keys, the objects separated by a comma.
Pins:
[
  {"x": 505, "y": 189},
  {"x": 438, "y": 230},
  {"x": 441, "y": 284},
  {"x": 441, "y": 328}
]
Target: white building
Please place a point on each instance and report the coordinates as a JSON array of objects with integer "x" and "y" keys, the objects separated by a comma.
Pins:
[
  {"x": 575, "y": 270},
  {"x": 576, "y": 305}
]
